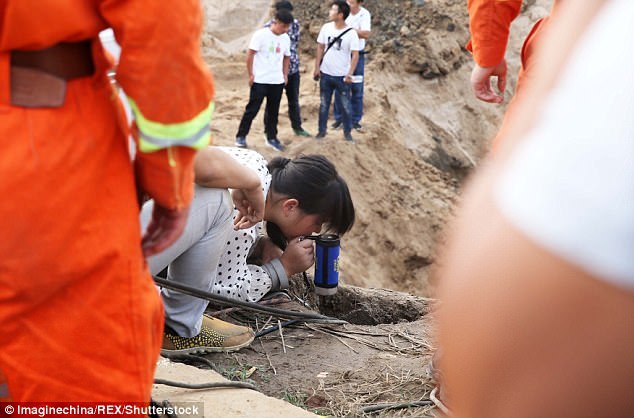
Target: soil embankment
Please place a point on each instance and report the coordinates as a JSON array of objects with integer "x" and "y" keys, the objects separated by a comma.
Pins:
[
  {"x": 423, "y": 130},
  {"x": 423, "y": 133}
]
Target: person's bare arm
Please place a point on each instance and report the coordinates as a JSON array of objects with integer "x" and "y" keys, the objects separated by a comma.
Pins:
[
  {"x": 318, "y": 56},
  {"x": 363, "y": 34},
  {"x": 353, "y": 66},
  {"x": 250, "y": 55},
  {"x": 524, "y": 332},
  {"x": 286, "y": 65},
  {"x": 216, "y": 169}
]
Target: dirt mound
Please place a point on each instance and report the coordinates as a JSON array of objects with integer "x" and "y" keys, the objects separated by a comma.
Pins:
[
  {"x": 423, "y": 133},
  {"x": 228, "y": 26},
  {"x": 425, "y": 38},
  {"x": 423, "y": 130}
]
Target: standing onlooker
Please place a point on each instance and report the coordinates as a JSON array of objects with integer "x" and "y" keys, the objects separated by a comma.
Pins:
[
  {"x": 335, "y": 61},
  {"x": 360, "y": 20},
  {"x": 292, "y": 85},
  {"x": 268, "y": 60}
]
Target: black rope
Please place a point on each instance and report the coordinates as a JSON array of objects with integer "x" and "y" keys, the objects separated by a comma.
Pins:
[
  {"x": 192, "y": 358},
  {"x": 208, "y": 385},
  {"x": 388, "y": 406},
  {"x": 192, "y": 291}
]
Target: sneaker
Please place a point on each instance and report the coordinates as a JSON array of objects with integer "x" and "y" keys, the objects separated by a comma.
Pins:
[
  {"x": 276, "y": 144},
  {"x": 241, "y": 142},
  {"x": 357, "y": 126},
  {"x": 215, "y": 336},
  {"x": 336, "y": 125},
  {"x": 320, "y": 135},
  {"x": 348, "y": 137},
  {"x": 301, "y": 132}
]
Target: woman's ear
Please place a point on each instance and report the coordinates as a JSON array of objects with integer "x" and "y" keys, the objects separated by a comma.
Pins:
[{"x": 289, "y": 206}]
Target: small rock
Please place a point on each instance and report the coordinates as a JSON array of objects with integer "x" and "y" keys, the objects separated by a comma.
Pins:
[{"x": 404, "y": 30}]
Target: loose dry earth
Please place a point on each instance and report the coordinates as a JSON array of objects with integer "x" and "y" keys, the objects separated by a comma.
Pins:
[{"x": 423, "y": 133}]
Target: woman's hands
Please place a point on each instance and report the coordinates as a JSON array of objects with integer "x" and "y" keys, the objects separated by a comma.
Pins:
[
  {"x": 268, "y": 250},
  {"x": 250, "y": 205},
  {"x": 298, "y": 256},
  {"x": 215, "y": 168}
]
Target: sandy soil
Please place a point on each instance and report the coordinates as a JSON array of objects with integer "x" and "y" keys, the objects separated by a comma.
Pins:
[
  {"x": 337, "y": 370},
  {"x": 423, "y": 134},
  {"x": 423, "y": 130}
]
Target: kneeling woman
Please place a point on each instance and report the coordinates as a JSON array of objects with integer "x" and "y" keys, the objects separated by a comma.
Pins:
[{"x": 301, "y": 196}]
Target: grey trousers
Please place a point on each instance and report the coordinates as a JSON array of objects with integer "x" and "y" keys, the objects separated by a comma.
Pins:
[{"x": 193, "y": 259}]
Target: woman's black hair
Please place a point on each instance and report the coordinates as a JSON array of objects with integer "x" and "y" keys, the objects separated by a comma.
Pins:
[{"x": 312, "y": 180}]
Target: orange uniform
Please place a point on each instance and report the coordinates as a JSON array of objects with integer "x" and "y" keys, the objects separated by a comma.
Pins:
[
  {"x": 489, "y": 23},
  {"x": 80, "y": 318}
]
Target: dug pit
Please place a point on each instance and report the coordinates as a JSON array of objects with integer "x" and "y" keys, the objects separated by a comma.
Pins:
[
  {"x": 374, "y": 306},
  {"x": 361, "y": 306}
]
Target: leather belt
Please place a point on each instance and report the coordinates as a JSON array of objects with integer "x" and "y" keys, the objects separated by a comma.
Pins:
[{"x": 38, "y": 78}]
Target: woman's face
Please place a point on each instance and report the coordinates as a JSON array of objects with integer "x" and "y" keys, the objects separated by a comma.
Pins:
[
  {"x": 301, "y": 224},
  {"x": 293, "y": 221}
]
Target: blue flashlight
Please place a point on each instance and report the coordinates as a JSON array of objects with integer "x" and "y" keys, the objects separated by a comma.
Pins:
[{"x": 327, "y": 248}]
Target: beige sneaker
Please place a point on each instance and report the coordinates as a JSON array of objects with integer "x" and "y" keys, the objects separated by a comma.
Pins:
[{"x": 215, "y": 336}]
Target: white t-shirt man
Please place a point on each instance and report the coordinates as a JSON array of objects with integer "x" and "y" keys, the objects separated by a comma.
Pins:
[
  {"x": 268, "y": 61},
  {"x": 336, "y": 61},
  {"x": 361, "y": 21},
  {"x": 570, "y": 184}
]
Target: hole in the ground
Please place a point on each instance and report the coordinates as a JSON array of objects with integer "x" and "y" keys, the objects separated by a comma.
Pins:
[{"x": 373, "y": 306}]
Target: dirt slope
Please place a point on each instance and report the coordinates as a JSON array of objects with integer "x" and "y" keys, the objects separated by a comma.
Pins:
[
  {"x": 423, "y": 133},
  {"x": 423, "y": 130}
]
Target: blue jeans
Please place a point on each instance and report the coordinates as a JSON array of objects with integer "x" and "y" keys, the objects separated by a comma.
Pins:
[
  {"x": 327, "y": 86},
  {"x": 356, "y": 94}
]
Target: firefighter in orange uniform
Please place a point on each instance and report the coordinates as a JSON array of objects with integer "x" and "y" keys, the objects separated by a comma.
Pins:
[
  {"x": 80, "y": 318},
  {"x": 489, "y": 24}
]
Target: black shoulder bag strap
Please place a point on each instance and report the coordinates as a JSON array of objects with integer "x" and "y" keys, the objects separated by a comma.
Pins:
[{"x": 333, "y": 42}]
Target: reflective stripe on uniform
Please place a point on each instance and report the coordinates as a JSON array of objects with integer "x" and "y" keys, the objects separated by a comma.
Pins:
[{"x": 153, "y": 136}]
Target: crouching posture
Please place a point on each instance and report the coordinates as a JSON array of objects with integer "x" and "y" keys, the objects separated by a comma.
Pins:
[{"x": 294, "y": 197}]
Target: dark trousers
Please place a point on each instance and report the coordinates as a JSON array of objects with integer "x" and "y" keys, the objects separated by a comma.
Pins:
[
  {"x": 273, "y": 95},
  {"x": 356, "y": 94},
  {"x": 329, "y": 85},
  {"x": 292, "y": 95}
]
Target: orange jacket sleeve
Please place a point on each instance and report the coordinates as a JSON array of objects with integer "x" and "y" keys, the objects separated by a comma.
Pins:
[
  {"x": 489, "y": 23},
  {"x": 170, "y": 90}
]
